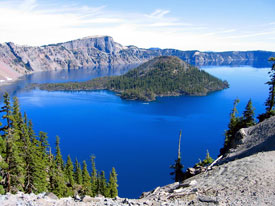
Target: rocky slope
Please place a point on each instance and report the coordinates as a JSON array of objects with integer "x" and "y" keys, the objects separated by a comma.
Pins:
[
  {"x": 16, "y": 60},
  {"x": 247, "y": 180}
]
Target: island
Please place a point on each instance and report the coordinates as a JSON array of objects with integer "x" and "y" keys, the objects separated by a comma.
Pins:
[{"x": 160, "y": 76}]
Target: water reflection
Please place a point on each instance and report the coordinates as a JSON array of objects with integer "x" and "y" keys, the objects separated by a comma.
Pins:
[{"x": 82, "y": 74}]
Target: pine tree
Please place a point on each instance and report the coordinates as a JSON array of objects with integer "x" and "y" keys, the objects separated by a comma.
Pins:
[
  {"x": 42, "y": 163},
  {"x": 14, "y": 170},
  {"x": 3, "y": 164},
  {"x": 233, "y": 126},
  {"x": 86, "y": 184},
  {"x": 69, "y": 171},
  {"x": 248, "y": 115},
  {"x": 177, "y": 167},
  {"x": 102, "y": 185},
  {"x": 7, "y": 116},
  {"x": 94, "y": 176},
  {"x": 58, "y": 184},
  {"x": 29, "y": 157},
  {"x": 112, "y": 184},
  {"x": 58, "y": 156},
  {"x": 270, "y": 102},
  {"x": 77, "y": 173}
]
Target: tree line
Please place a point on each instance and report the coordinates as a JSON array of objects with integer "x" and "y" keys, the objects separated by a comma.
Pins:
[
  {"x": 27, "y": 163},
  {"x": 248, "y": 118}
]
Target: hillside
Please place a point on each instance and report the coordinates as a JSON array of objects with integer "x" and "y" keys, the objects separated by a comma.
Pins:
[
  {"x": 161, "y": 76},
  {"x": 247, "y": 180},
  {"x": 103, "y": 51}
]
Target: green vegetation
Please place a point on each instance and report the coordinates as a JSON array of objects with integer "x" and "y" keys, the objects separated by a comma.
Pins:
[
  {"x": 208, "y": 160},
  {"x": 248, "y": 119},
  {"x": 236, "y": 123},
  {"x": 270, "y": 102},
  {"x": 28, "y": 165},
  {"x": 161, "y": 76}
]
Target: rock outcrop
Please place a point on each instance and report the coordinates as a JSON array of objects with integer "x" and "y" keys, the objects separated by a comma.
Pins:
[
  {"x": 103, "y": 51},
  {"x": 246, "y": 179}
]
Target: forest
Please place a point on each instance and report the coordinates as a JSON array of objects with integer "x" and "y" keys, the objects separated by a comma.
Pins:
[{"x": 28, "y": 164}]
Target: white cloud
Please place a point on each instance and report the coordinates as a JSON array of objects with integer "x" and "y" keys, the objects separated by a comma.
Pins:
[
  {"x": 31, "y": 23},
  {"x": 159, "y": 13},
  {"x": 28, "y": 5}
]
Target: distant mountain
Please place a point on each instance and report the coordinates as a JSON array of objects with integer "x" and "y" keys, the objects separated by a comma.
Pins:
[
  {"x": 161, "y": 76},
  {"x": 102, "y": 51}
]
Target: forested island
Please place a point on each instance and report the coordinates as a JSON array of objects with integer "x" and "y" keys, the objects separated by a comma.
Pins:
[{"x": 161, "y": 76}]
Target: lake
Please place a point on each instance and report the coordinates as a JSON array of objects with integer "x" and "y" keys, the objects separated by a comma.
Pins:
[{"x": 139, "y": 139}]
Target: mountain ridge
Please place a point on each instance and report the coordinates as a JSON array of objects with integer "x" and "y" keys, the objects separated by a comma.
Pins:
[{"x": 103, "y": 51}]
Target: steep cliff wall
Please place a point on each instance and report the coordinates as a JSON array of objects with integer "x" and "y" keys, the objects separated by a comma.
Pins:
[{"x": 90, "y": 52}]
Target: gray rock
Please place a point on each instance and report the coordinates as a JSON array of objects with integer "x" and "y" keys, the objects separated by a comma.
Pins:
[
  {"x": 51, "y": 196},
  {"x": 207, "y": 199},
  {"x": 87, "y": 199},
  {"x": 103, "y": 51}
]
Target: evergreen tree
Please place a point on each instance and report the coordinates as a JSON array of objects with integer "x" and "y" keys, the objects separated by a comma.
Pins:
[
  {"x": 3, "y": 164},
  {"x": 102, "y": 185},
  {"x": 27, "y": 164},
  {"x": 233, "y": 126},
  {"x": 270, "y": 102},
  {"x": 112, "y": 184},
  {"x": 86, "y": 184},
  {"x": 94, "y": 176},
  {"x": 208, "y": 160},
  {"x": 29, "y": 156},
  {"x": 7, "y": 116},
  {"x": 77, "y": 173},
  {"x": 248, "y": 115},
  {"x": 14, "y": 170},
  {"x": 69, "y": 171},
  {"x": 58, "y": 183},
  {"x": 58, "y": 156},
  {"x": 42, "y": 163},
  {"x": 177, "y": 167}
]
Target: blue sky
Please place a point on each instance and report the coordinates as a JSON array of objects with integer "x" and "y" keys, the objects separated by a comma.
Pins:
[{"x": 207, "y": 25}]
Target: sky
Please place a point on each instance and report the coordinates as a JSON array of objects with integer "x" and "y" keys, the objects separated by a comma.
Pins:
[{"x": 206, "y": 25}]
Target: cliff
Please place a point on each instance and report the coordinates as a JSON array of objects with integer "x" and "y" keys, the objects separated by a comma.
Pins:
[
  {"x": 102, "y": 51},
  {"x": 246, "y": 179}
]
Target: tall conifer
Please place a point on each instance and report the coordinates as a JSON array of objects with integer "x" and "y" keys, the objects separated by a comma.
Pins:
[
  {"x": 248, "y": 115},
  {"x": 69, "y": 171},
  {"x": 94, "y": 176},
  {"x": 77, "y": 173},
  {"x": 86, "y": 183},
  {"x": 112, "y": 184}
]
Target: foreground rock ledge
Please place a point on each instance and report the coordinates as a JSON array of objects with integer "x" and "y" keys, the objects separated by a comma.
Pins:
[{"x": 245, "y": 177}]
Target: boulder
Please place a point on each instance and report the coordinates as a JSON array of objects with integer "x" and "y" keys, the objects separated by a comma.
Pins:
[
  {"x": 87, "y": 198},
  {"x": 51, "y": 196}
]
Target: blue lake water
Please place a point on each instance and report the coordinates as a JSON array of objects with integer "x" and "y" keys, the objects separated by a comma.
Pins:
[{"x": 139, "y": 139}]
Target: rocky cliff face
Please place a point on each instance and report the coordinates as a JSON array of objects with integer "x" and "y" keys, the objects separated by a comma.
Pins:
[{"x": 102, "y": 51}]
